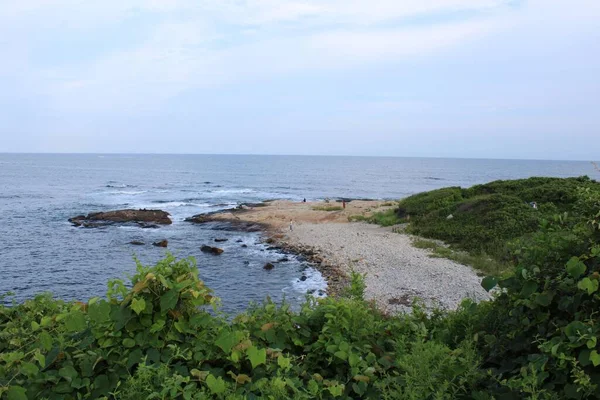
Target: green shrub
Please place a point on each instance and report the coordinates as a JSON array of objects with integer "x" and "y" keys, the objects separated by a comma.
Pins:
[
  {"x": 327, "y": 208},
  {"x": 485, "y": 218},
  {"x": 157, "y": 339}
]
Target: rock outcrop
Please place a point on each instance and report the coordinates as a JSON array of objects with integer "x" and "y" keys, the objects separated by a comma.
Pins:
[
  {"x": 211, "y": 249},
  {"x": 143, "y": 217},
  {"x": 162, "y": 243}
]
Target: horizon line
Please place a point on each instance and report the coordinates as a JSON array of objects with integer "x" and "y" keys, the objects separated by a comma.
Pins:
[{"x": 288, "y": 155}]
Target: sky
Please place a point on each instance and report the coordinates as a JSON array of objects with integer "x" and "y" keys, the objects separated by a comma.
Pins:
[{"x": 414, "y": 78}]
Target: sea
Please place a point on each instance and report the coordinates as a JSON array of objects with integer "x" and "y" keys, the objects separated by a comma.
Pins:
[{"x": 40, "y": 251}]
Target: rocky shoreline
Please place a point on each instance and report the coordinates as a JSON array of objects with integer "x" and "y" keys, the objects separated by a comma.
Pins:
[{"x": 395, "y": 271}]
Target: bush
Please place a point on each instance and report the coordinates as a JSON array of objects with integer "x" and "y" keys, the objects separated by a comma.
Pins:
[
  {"x": 485, "y": 218},
  {"x": 159, "y": 340}
]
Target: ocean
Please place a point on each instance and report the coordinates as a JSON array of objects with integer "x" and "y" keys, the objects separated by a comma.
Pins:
[{"x": 41, "y": 252}]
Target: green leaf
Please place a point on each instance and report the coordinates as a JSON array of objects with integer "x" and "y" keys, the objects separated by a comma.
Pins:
[
  {"x": 216, "y": 385},
  {"x": 29, "y": 369},
  {"x": 575, "y": 267},
  {"x": 45, "y": 341},
  {"x": 227, "y": 340},
  {"x": 488, "y": 283},
  {"x": 341, "y": 355},
  {"x": 529, "y": 288},
  {"x": 157, "y": 326},
  {"x": 595, "y": 358},
  {"x": 336, "y": 390},
  {"x": 256, "y": 356},
  {"x": 168, "y": 301},
  {"x": 128, "y": 343},
  {"x": 99, "y": 312},
  {"x": 588, "y": 285},
  {"x": 39, "y": 357},
  {"x": 138, "y": 305},
  {"x": 68, "y": 372},
  {"x": 16, "y": 393},
  {"x": 313, "y": 387},
  {"x": 283, "y": 362},
  {"x": 544, "y": 298},
  {"x": 75, "y": 321}
]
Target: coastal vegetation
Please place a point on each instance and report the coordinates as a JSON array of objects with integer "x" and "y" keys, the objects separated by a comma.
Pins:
[
  {"x": 161, "y": 335},
  {"x": 327, "y": 208}
]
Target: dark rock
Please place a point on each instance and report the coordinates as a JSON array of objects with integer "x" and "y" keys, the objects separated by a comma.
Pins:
[
  {"x": 212, "y": 250},
  {"x": 121, "y": 216},
  {"x": 221, "y": 240},
  {"x": 303, "y": 278},
  {"x": 239, "y": 241},
  {"x": 270, "y": 240},
  {"x": 149, "y": 226},
  {"x": 137, "y": 243},
  {"x": 268, "y": 266},
  {"x": 283, "y": 259},
  {"x": 246, "y": 262},
  {"x": 162, "y": 243},
  {"x": 272, "y": 248},
  {"x": 311, "y": 291},
  {"x": 244, "y": 245}
]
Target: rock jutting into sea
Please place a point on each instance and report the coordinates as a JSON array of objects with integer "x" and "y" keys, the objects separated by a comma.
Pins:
[{"x": 142, "y": 217}]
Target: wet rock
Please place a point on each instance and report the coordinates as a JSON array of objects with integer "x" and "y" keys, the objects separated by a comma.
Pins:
[
  {"x": 162, "y": 243},
  {"x": 272, "y": 248},
  {"x": 246, "y": 262},
  {"x": 221, "y": 240},
  {"x": 270, "y": 240},
  {"x": 268, "y": 266},
  {"x": 303, "y": 278},
  {"x": 283, "y": 259},
  {"x": 239, "y": 241},
  {"x": 211, "y": 249},
  {"x": 244, "y": 245},
  {"x": 141, "y": 216},
  {"x": 149, "y": 226},
  {"x": 137, "y": 243}
]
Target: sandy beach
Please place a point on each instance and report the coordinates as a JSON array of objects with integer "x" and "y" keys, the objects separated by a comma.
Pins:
[{"x": 395, "y": 271}]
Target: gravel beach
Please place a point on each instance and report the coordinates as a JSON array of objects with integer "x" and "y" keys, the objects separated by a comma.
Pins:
[{"x": 396, "y": 272}]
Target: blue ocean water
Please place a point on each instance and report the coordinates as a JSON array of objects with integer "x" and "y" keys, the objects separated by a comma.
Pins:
[{"x": 41, "y": 251}]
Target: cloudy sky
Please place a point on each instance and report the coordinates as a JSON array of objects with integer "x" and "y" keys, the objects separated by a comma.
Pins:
[{"x": 439, "y": 78}]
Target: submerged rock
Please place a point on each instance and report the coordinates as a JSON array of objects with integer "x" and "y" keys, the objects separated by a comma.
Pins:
[
  {"x": 268, "y": 266},
  {"x": 244, "y": 245},
  {"x": 146, "y": 218},
  {"x": 162, "y": 243},
  {"x": 221, "y": 240},
  {"x": 137, "y": 243},
  {"x": 211, "y": 249}
]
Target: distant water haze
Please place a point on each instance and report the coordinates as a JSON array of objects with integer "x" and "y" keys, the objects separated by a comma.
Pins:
[{"x": 41, "y": 251}]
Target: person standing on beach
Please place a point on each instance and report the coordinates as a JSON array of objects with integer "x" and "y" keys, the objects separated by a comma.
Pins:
[{"x": 291, "y": 225}]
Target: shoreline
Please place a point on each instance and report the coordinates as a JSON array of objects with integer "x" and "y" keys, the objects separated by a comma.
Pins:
[{"x": 395, "y": 271}]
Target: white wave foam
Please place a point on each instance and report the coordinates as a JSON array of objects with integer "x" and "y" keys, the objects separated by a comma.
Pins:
[{"x": 315, "y": 284}]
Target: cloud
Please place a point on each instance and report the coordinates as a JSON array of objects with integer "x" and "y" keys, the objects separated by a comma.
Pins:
[{"x": 195, "y": 44}]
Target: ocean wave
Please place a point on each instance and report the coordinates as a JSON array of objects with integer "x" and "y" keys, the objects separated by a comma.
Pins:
[
  {"x": 432, "y": 178},
  {"x": 117, "y": 185},
  {"x": 168, "y": 204},
  {"x": 232, "y": 191},
  {"x": 314, "y": 284},
  {"x": 127, "y": 192}
]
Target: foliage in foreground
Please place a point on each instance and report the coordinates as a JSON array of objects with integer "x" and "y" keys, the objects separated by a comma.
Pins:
[
  {"x": 538, "y": 339},
  {"x": 157, "y": 340}
]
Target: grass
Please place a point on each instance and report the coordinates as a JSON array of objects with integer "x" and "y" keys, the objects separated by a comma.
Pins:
[
  {"x": 327, "y": 208},
  {"x": 383, "y": 218},
  {"x": 481, "y": 262}
]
